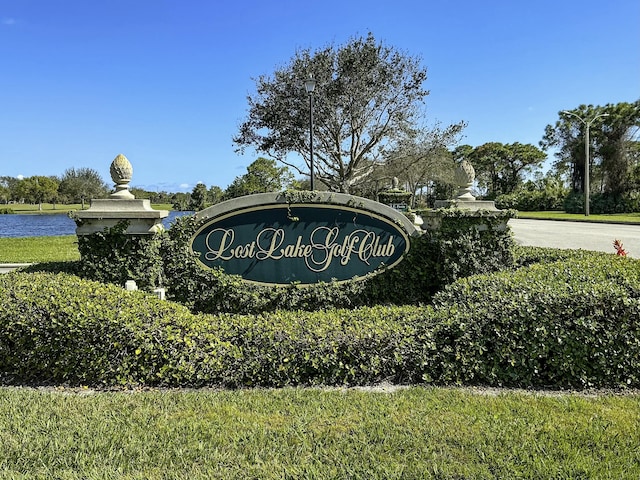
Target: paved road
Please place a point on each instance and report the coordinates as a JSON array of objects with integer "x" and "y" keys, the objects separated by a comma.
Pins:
[{"x": 579, "y": 235}]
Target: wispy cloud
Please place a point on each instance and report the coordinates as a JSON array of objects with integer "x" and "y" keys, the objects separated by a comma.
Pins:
[{"x": 8, "y": 21}]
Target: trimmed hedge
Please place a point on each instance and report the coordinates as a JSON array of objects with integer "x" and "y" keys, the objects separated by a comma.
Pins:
[
  {"x": 533, "y": 200},
  {"x": 567, "y": 324},
  {"x": 600, "y": 203},
  {"x": 64, "y": 330},
  {"x": 527, "y": 255}
]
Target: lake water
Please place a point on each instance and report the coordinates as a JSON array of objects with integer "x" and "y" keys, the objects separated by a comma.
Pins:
[{"x": 20, "y": 225}]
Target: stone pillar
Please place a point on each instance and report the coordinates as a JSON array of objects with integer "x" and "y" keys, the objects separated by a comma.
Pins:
[
  {"x": 121, "y": 205},
  {"x": 109, "y": 252}
]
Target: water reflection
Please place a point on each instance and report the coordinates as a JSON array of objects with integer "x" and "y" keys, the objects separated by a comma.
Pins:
[{"x": 21, "y": 225}]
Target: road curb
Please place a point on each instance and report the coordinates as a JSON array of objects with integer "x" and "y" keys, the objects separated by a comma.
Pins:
[{"x": 9, "y": 267}]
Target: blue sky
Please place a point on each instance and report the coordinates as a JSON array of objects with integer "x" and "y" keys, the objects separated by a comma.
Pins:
[{"x": 165, "y": 81}]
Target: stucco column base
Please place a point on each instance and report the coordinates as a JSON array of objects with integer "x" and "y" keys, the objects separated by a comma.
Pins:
[
  {"x": 107, "y": 213},
  {"x": 467, "y": 204}
]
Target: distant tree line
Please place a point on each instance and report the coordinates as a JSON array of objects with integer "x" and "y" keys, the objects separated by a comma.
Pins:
[
  {"x": 74, "y": 186},
  {"x": 263, "y": 175}
]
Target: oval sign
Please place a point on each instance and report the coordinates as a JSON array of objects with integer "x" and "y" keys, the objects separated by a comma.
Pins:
[{"x": 304, "y": 243}]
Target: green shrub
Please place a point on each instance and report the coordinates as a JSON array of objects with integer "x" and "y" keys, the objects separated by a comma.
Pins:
[
  {"x": 527, "y": 255},
  {"x": 567, "y": 324},
  {"x": 112, "y": 256},
  {"x": 337, "y": 347},
  {"x": 573, "y": 323},
  {"x": 60, "y": 329},
  {"x": 64, "y": 330},
  {"x": 532, "y": 200},
  {"x": 602, "y": 203}
]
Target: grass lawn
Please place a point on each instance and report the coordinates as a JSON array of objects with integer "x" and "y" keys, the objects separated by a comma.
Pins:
[
  {"x": 39, "y": 249},
  {"x": 42, "y": 249},
  {"x": 49, "y": 208},
  {"x": 575, "y": 217},
  {"x": 414, "y": 433}
]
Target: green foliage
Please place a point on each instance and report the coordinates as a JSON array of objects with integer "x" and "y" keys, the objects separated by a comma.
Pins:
[
  {"x": 471, "y": 243},
  {"x": 371, "y": 94},
  {"x": 526, "y": 255},
  {"x": 64, "y": 330},
  {"x": 6, "y": 211},
  {"x": 37, "y": 189},
  {"x": 112, "y": 256},
  {"x": 544, "y": 194},
  {"x": 568, "y": 324},
  {"x": 198, "y": 199},
  {"x": 573, "y": 323},
  {"x": 600, "y": 203},
  {"x": 613, "y": 145},
  {"x": 81, "y": 185},
  {"x": 419, "y": 159},
  {"x": 262, "y": 176},
  {"x": 530, "y": 201},
  {"x": 500, "y": 167}
]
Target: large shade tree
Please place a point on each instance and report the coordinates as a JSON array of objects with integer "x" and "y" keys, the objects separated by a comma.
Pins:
[
  {"x": 424, "y": 158},
  {"x": 367, "y": 96},
  {"x": 81, "y": 184},
  {"x": 38, "y": 189},
  {"x": 7, "y": 188},
  {"x": 500, "y": 167},
  {"x": 198, "y": 199}
]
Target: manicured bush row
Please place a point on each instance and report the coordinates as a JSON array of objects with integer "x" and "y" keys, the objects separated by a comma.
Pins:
[
  {"x": 566, "y": 324},
  {"x": 600, "y": 203},
  {"x": 573, "y": 202},
  {"x": 533, "y": 200},
  {"x": 61, "y": 329},
  {"x": 526, "y": 255}
]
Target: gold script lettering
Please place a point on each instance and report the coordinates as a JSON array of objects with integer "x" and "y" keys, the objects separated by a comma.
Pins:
[
  {"x": 267, "y": 247},
  {"x": 323, "y": 248}
]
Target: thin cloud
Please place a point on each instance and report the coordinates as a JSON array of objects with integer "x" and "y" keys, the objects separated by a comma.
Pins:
[{"x": 8, "y": 21}]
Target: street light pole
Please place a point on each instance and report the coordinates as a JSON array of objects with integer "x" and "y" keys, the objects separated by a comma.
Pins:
[
  {"x": 310, "y": 86},
  {"x": 587, "y": 144}
]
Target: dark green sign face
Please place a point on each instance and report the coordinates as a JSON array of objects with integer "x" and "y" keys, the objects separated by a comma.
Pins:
[{"x": 280, "y": 244}]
